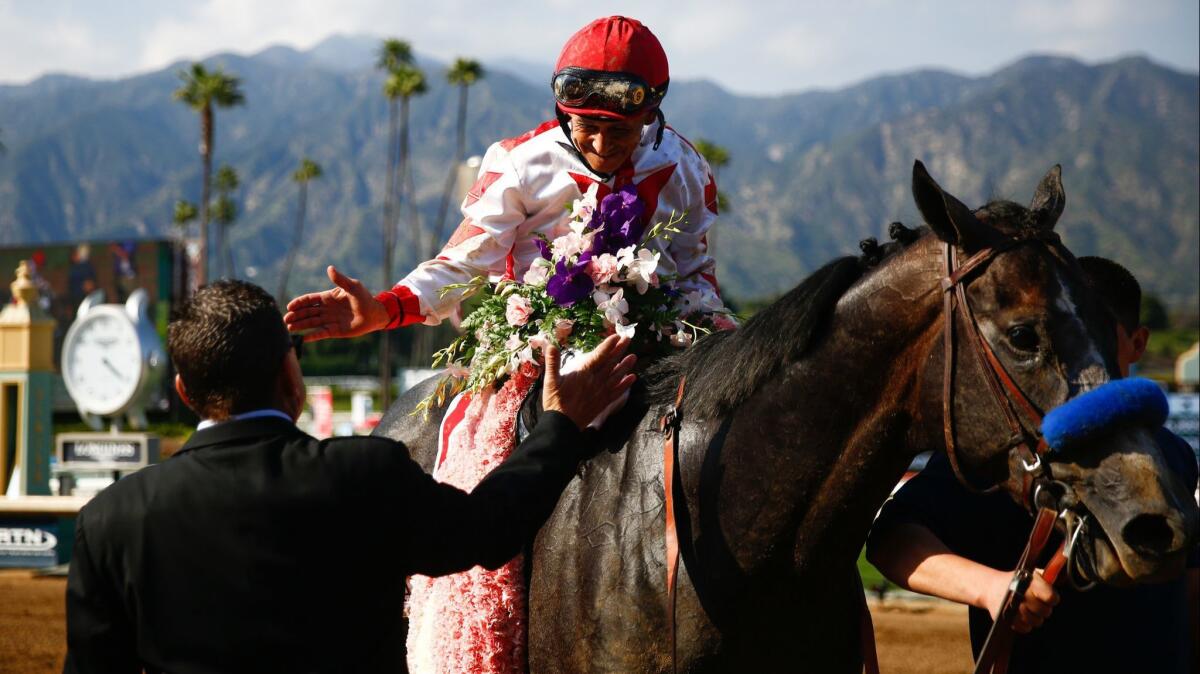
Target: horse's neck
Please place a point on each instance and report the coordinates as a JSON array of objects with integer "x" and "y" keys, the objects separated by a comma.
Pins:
[{"x": 846, "y": 420}]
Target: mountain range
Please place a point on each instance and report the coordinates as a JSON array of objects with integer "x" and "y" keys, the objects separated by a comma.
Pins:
[{"x": 811, "y": 173}]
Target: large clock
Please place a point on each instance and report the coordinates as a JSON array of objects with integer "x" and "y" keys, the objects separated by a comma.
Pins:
[{"x": 112, "y": 359}]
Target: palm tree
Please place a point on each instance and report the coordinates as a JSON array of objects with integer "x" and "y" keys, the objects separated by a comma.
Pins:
[
  {"x": 393, "y": 55},
  {"x": 308, "y": 170},
  {"x": 463, "y": 74},
  {"x": 717, "y": 157},
  {"x": 224, "y": 213},
  {"x": 202, "y": 90},
  {"x": 185, "y": 213},
  {"x": 407, "y": 82}
]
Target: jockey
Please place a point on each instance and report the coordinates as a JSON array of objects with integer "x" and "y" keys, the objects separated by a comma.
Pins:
[{"x": 609, "y": 131}]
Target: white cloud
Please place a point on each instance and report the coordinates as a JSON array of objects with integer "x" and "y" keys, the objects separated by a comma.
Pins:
[{"x": 764, "y": 46}]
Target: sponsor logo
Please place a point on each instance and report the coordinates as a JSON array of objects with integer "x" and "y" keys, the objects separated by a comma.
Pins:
[
  {"x": 24, "y": 540},
  {"x": 103, "y": 451}
]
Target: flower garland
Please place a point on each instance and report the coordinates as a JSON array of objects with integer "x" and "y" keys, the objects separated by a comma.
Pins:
[{"x": 598, "y": 278}]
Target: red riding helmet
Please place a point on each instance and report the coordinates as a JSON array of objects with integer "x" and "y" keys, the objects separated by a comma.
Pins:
[{"x": 614, "y": 67}]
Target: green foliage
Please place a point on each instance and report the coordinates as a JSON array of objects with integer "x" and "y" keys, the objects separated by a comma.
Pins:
[
  {"x": 394, "y": 54},
  {"x": 309, "y": 170},
  {"x": 716, "y": 155},
  {"x": 202, "y": 88},
  {"x": 224, "y": 210},
  {"x": 185, "y": 212},
  {"x": 226, "y": 179},
  {"x": 464, "y": 72},
  {"x": 1154, "y": 312},
  {"x": 405, "y": 82}
]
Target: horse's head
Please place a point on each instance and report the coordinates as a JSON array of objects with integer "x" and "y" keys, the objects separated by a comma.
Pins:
[{"x": 1045, "y": 339}]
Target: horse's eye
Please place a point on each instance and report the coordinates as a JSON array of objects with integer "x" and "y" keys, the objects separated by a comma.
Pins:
[{"x": 1023, "y": 337}]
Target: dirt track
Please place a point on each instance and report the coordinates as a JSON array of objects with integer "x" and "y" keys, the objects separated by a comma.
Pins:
[{"x": 913, "y": 637}]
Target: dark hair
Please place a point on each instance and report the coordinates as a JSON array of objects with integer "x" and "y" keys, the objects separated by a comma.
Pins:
[
  {"x": 228, "y": 343},
  {"x": 1117, "y": 287}
]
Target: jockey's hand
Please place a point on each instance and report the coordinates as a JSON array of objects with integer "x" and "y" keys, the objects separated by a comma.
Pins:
[
  {"x": 346, "y": 310},
  {"x": 602, "y": 378},
  {"x": 1035, "y": 607}
]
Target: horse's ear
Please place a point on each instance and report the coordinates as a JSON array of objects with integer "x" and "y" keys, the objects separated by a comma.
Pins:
[
  {"x": 948, "y": 217},
  {"x": 1049, "y": 199}
]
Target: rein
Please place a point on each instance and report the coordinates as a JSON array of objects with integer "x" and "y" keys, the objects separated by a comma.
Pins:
[
  {"x": 1013, "y": 403},
  {"x": 1022, "y": 417},
  {"x": 1024, "y": 421}
]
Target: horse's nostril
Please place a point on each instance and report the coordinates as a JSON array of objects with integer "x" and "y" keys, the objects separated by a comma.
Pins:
[{"x": 1148, "y": 534}]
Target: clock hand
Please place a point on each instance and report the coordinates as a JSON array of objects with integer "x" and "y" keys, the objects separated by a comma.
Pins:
[{"x": 112, "y": 369}]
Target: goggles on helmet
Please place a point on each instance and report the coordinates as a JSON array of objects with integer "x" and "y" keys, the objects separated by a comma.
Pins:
[{"x": 620, "y": 93}]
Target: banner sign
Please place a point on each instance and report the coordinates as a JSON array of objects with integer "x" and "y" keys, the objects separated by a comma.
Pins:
[
  {"x": 28, "y": 544},
  {"x": 106, "y": 451},
  {"x": 1184, "y": 419}
]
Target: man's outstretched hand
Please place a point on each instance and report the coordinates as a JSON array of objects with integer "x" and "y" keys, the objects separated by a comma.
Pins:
[
  {"x": 346, "y": 310},
  {"x": 602, "y": 378}
]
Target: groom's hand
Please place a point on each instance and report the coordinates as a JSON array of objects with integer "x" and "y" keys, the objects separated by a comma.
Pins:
[
  {"x": 346, "y": 310},
  {"x": 602, "y": 378}
]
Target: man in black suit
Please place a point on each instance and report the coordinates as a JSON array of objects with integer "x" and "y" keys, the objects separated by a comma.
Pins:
[{"x": 259, "y": 548}]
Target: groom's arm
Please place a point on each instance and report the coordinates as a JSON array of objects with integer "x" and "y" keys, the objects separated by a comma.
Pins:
[{"x": 448, "y": 530}]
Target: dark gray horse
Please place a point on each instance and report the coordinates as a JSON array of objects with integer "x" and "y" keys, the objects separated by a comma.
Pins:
[{"x": 795, "y": 428}]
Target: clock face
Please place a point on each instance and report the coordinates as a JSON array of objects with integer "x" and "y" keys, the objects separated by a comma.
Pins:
[{"x": 102, "y": 361}]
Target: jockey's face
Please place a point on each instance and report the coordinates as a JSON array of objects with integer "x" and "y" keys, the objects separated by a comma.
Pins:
[{"x": 607, "y": 143}]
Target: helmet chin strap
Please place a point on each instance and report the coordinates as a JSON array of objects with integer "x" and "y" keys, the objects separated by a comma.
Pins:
[{"x": 564, "y": 121}]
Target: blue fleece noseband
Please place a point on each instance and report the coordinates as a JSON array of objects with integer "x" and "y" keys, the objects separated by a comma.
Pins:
[{"x": 1117, "y": 404}]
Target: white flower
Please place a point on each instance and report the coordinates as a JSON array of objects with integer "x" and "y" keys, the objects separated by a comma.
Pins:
[
  {"x": 641, "y": 269},
  {"x": 683, "y": 336},
  {"x": 570, "y": 244},
  {"x": 583, "y": 207},
  {"x": 625, "y": 257},
  {"x": 614, "y": 306},
  {"x": 681, "y": 339},
  {"x": 538, "y": 273},
  {"x": 625, "y": 331},
  {"x": 514, "y": 342},
  {"x": 518, "y": 310},
  {"x": 458, "y": 370}
]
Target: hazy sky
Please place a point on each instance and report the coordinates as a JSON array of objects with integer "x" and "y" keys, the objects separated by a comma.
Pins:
[{"x": 746, "y": 45}]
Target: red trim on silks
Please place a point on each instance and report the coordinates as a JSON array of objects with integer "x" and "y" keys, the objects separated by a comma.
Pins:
[
  {"x": 510, "y": 264},
  {"x": 585, "y": 183},
  {"x": 477, "y": 190},
  {"x": 466, "y": 230},
  {"x": 452, "y": 419},
  {"x": 510, "y": 143},
  {"x": 650, "y": 187},
  {"x": 624, "y": 174},
  {"x": 712, "y": 279},
  {"x": 710, "y": 194},
  {"x": 402, "y": 306}
]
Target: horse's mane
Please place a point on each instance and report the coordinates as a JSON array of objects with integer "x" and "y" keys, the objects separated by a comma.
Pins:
[{"x": 725, "y": 368}]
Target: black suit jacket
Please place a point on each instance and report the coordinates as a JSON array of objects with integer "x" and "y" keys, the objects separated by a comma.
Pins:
[{"x": 258, "y": 548}]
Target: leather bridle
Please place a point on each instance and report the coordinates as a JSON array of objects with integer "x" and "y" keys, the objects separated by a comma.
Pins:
[
  {"x": 1021, "y": 415},
  {"x": 1024, "y": 420}
]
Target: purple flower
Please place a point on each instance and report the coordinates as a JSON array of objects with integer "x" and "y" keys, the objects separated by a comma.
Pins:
[
  {"x": 621, "y": 206},
  {"x": 569, "y": 284},
  {"x": 543, "y": 247}
]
